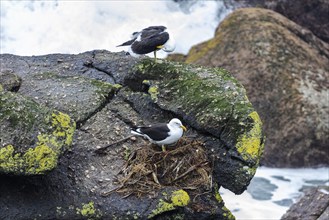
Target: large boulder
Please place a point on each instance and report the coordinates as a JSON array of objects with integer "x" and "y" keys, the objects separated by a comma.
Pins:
[
  {"x": 107, "y": 93},
  {"x": 311, "y": 14},
  {"x": 284, "y": 69}
]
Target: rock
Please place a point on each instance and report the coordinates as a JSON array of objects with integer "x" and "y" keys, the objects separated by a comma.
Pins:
[
  {"x": 214, "y": 103},
  {"x": 284, "y": 70},
  {"x": 176, "y": 57},
  {"x": 314, "y": 205},
  {"x": 209, "y": 101},
  {"x": 10, "y": 81},
  {"x": 77, "y": 96},
  {"x": 33, "y": 137},
  {"x": 311, "y": 14}
]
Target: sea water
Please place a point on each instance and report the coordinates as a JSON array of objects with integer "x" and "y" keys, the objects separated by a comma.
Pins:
[
  {"x": 272, "y": 191},
  {"x": 45, "y": 27}
]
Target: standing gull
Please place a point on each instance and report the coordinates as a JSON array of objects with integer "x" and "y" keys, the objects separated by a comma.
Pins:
[
  {"x": 162, "y": 134},
  {"x": 150, "y": 39}
]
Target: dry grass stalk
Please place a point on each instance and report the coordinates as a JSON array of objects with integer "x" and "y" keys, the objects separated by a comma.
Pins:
[{"x": 148, "y": 170}]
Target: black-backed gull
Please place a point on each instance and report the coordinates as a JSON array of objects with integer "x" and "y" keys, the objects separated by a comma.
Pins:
[
  {"x": 150, "y": 40},
  {"x": 162, "y": 134}
]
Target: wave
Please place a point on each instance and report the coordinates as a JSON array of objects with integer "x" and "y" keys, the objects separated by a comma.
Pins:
[{"x": 44, "y": 27}]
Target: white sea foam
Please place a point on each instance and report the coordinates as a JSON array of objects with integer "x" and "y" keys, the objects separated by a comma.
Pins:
[
  {"x": 245, "y": 207},
  {"x": 44, "y": 27}
]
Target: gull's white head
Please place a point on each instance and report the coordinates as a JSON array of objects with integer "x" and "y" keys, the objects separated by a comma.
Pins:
[
  {"x": 175, "y": 122},
  {"x": 170, "y": 45}
]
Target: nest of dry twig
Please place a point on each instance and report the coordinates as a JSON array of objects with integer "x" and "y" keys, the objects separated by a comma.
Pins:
[{"x": 148, "y": 170}]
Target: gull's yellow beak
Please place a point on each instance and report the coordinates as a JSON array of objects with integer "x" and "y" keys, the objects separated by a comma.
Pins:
[
  {"x": 160, "y": 47},
  {"x": 183, "y": 127}
]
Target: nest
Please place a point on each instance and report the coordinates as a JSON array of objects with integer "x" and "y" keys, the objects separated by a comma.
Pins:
[{"x": 148, "y": 170}]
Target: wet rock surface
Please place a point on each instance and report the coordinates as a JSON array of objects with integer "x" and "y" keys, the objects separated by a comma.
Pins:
[
  {"x": 107, "y": 93},
  {"x": 284, "y": 68},
  {"x": 314, "y": 205}
]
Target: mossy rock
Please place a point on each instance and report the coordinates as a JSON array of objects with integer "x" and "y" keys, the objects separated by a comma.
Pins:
[
  {"x": 75, "y": 189},
  {"x": 284, "y": 69},
  {"x": 10, "y": 81},
  {"x": 214, "y": 103},
  {"x": 178, "y": 198},
  {"x": 32, "y": 136}
]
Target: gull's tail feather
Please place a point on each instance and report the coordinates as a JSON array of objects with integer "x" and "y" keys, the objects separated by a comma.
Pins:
[{"x": 136, "y": 131}]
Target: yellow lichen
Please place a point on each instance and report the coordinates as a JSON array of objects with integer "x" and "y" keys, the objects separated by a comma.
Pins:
[
  {"x": 154, "y": 92},
  {"x": 40, "y": 159},
  {"x": 34, "y": 161},
  {"x": 63, "y": 127},
  {"x": 48, "y": 139},
  {"x": 89, "y": 211},
  {"x": 1, "y": 88},
  {"x": 9, "y": 162},
  {"x": 228, "y": 214},
  {"x": 249, "y": 144},
  {"x": 179, "y": 198},
  {"x": 43, "y": 157},
  {"x": 217, "y": 195},
  {"x": 146, "y": 82}
]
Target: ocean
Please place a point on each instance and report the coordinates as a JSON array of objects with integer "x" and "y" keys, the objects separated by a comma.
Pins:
[
  {"x": 272, "y": 191},
  {"x": 45, "y": 27}
]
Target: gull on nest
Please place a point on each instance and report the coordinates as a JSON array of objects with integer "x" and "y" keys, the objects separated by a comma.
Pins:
[{"x": 162, "y": 134}]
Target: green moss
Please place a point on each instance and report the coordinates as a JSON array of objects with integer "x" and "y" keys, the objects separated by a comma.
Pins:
[
  {"x": 197, "y": 91},
  {"x": 117, "y": 86},
  {"x": 89, "y": 211},
  {"x": 250, "y": 144},
  {"x": 202, "y": 49},
  {"x": 1, "y": 88},
  {"x": 102, "y": 85},
  {"x": 18, "y": 111},
  {"x": 178, "y": 198}
]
